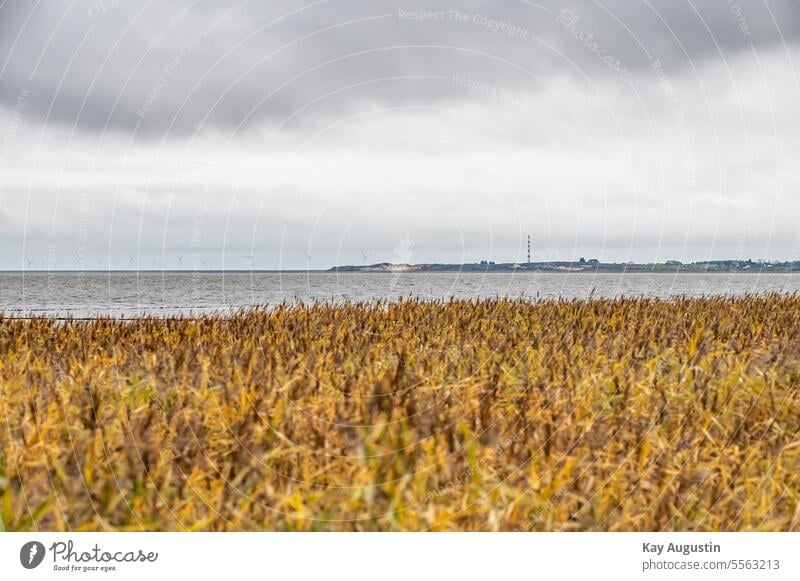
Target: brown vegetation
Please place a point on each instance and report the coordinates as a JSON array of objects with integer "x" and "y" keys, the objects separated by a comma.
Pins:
[{"x": 632, "y": 414}]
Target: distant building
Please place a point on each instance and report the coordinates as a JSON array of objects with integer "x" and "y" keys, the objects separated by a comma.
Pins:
[{"x": 674, "y": 263}]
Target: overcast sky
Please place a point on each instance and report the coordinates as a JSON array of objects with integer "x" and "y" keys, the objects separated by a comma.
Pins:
[{"x": 344, "y": 132}]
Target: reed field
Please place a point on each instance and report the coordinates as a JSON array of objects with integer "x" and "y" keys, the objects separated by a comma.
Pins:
[{"x": 610, "y": 415}]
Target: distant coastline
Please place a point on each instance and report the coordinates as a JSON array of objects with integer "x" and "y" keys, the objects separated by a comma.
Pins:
[
  {"x": 582, "y": 266},
  {"x": 554, "y": 267}
]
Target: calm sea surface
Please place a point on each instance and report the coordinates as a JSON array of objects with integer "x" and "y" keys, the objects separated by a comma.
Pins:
[{"x": 129, "y": 294}]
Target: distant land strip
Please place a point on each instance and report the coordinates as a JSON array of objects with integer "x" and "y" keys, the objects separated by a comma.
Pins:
[
  {"x": 556, "y": 267},
  {"x": 590, "y": 266}
]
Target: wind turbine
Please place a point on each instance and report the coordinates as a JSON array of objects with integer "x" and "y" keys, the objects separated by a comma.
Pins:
[
  {"x": 131, "y": 259},
  {"x": 364, "y": 255},
  {"x": 307, "y": 254},
  {"x": 252, "y": 260},
  {"x": 180, "y": 261},
  {"x": 29, "y": 262}
]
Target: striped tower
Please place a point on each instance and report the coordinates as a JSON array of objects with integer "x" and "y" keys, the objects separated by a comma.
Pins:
[{"x": 529, "y": 248}]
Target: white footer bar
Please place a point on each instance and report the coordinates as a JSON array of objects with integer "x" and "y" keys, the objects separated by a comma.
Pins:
[{"x": 401, "y": 556}]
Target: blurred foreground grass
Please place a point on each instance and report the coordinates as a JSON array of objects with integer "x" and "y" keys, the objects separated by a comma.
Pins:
[{"x": 630, "y": 414}]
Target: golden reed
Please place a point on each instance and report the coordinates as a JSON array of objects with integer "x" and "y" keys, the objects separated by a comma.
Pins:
[{"x": 629, "y": 414}]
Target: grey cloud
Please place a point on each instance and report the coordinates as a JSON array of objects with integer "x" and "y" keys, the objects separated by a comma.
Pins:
[{"x": 172, "y": 69}]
